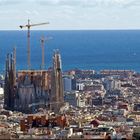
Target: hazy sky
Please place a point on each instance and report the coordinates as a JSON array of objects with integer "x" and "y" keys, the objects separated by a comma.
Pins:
[{"x": 71, "y": 14}]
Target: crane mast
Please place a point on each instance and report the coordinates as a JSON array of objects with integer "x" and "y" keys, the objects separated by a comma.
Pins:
[
  {"x": 42, "y": 46},
  {"x": 43, "y": 39},
  {"x": 28, "y": 26},
  {"x": 28, "y": 46}
]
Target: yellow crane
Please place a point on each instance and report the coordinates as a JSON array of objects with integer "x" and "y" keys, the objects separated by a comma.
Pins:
[
  {"x": 42, "y": 40},
  {"x": 28, "y": 26}
]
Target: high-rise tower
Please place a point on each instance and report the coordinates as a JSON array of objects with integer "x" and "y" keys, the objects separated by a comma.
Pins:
[{"x": 57, "y": 92}]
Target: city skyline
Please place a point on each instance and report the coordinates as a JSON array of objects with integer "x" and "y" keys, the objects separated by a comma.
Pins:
[{"x": 74, "y": 14}]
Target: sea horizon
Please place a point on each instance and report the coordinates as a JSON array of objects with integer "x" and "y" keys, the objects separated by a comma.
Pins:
[{"x": 82, "y": 49}]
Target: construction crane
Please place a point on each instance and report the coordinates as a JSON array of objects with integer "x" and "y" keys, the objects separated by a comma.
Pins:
[
  {"x": 42, "y": 40},
  {"x": 28, "y": 26}
]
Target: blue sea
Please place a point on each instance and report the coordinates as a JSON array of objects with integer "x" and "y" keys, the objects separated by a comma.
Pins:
[{"x": 83, "y": 49}]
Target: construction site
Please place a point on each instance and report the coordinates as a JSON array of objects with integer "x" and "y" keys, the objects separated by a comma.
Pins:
[{"x": 28, "y": 90}]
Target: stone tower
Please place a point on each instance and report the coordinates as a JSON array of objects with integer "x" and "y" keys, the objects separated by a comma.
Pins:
[{"x": 57, "y": 92}]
